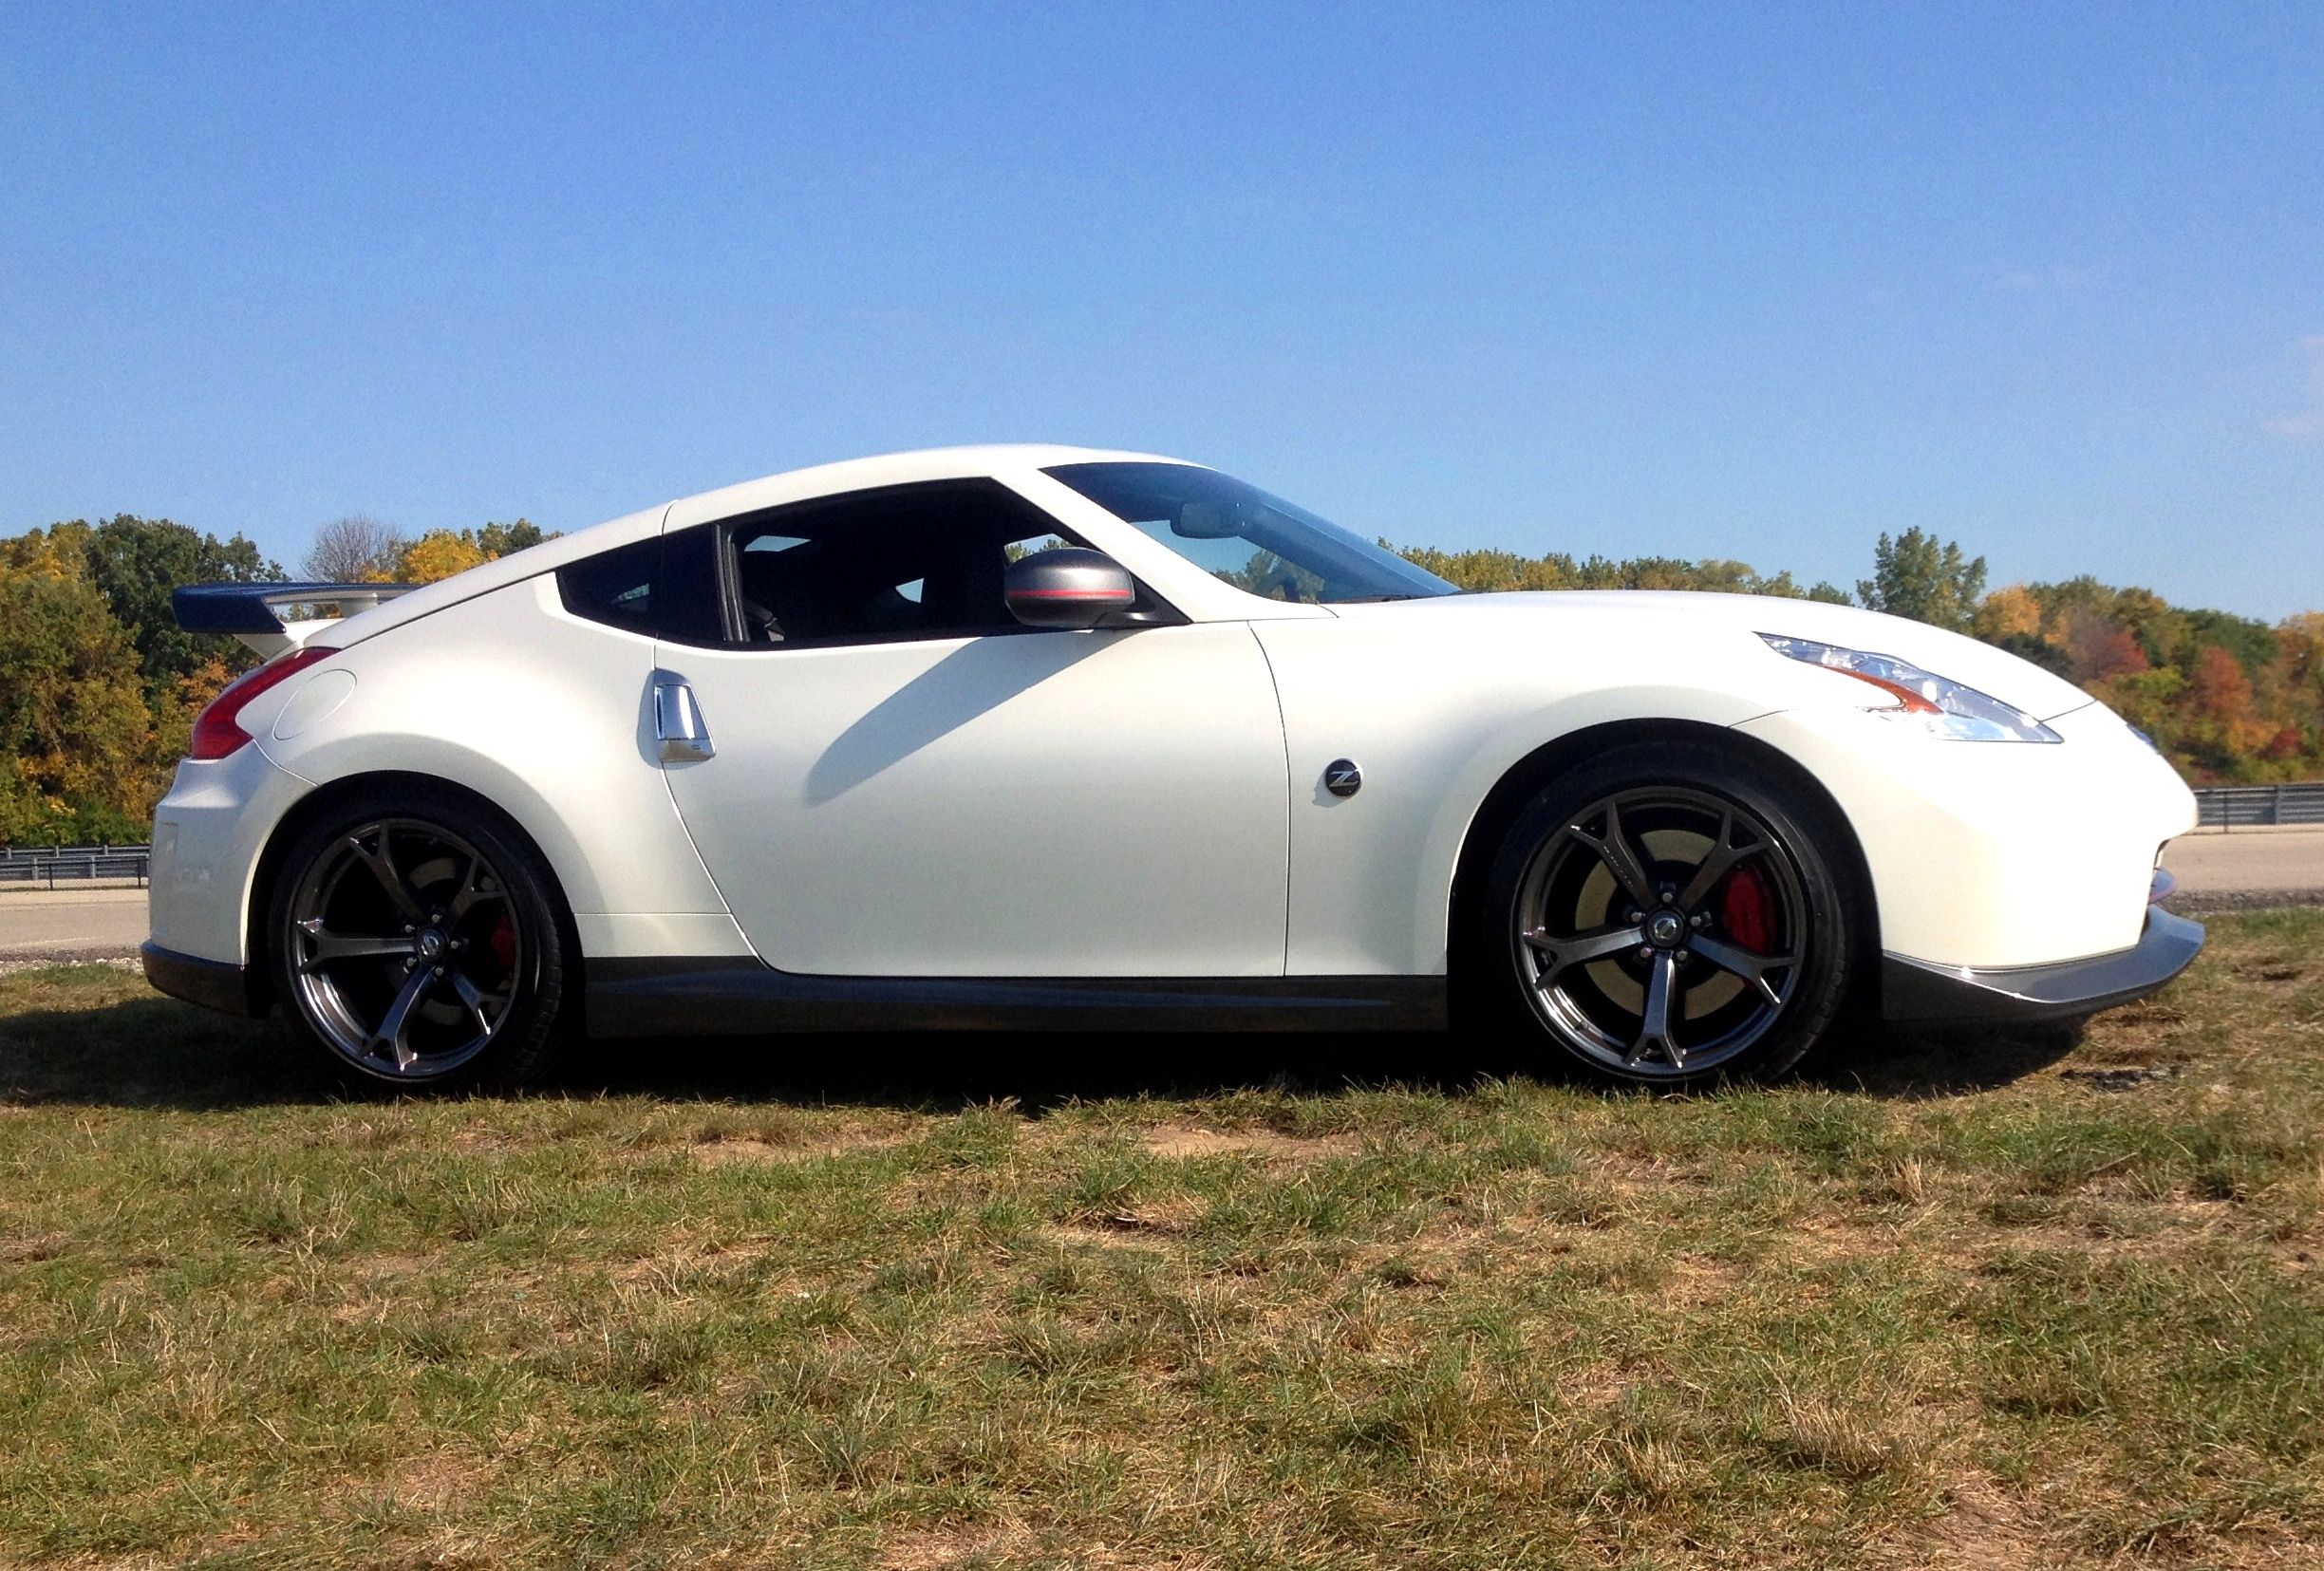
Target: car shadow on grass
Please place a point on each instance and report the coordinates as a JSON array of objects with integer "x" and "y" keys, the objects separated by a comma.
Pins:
[
  {"x": 1035, "y": 1070},
  {"x": 930, "y": 1070},
  {"x": 1923, "y": 1063},
  {"x": 157, "y": 1052},
  {"x": 151, "y": 1053}
]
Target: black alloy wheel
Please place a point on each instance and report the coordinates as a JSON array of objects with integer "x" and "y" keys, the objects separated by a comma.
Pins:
[
  {"x": 420, "y": 945},
  {"x": 1661, "y": 916}
]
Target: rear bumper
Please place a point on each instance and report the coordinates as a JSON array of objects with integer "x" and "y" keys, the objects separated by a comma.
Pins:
[
  {"x": 208, "y": 834},
  {"x": 211, "y": 983},
  {"x": 1913, "y": 991}
]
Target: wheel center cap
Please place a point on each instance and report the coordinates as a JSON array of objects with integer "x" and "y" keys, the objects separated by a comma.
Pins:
[
  {"x": 1665, "y": 929},
  {"x": 431, "y": 944}
]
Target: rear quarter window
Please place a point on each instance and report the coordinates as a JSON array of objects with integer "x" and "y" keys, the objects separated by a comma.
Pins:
[{"x": 662, "y": 587}]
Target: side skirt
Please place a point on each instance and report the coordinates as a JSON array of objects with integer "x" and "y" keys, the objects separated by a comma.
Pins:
[{"x": 740, "y": 997}]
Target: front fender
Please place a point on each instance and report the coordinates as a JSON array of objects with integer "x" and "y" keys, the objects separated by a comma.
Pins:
[
  {"x": 1506, "y": 748},
  {"x": 1437, "y": 708}
]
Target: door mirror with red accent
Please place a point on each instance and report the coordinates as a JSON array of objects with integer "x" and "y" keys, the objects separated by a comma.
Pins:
[{"x": 1068, "y": 587}]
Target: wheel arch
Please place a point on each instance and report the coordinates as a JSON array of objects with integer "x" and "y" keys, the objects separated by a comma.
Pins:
[
  {"x": 1529, "y": 775},
  {"x": 332, "y": 796}
]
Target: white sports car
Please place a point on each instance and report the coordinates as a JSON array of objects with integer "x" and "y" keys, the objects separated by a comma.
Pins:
[{"x": 1044, "y": 736}]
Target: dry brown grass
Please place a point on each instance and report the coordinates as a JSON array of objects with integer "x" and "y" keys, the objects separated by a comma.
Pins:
[{"x": 1946, "y": 1305}]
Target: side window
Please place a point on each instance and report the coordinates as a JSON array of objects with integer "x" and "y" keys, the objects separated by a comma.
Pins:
[
  {"x": 615, "y": 587},
  {"x": 901, "y": 563},
  {"x": 663, "y": 587},
  {"x": 904, "y": 562}
]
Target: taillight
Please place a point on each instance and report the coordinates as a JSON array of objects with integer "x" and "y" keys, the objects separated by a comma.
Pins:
[{"x": 217, "y": 730}]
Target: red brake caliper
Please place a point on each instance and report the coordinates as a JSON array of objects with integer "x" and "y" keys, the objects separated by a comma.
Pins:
[
  {"x": 504, "y": 942},
  {"x": 1746, "y": 913}
]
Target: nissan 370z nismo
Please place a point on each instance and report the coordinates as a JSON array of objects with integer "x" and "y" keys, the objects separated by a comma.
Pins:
[{"x": 1039, "y": 735}]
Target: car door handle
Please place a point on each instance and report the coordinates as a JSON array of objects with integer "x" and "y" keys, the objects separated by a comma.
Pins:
[{"x": 677, "y": 722}]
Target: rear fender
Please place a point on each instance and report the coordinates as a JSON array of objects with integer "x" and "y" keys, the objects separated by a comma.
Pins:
[{"x": 545, "y": 716}]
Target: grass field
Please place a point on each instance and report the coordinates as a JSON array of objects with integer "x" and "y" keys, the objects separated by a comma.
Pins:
[{"x": 1999, "y": 1301}]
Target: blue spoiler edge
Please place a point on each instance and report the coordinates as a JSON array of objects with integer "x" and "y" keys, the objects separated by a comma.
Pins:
[{"x": 253, "y": 607}]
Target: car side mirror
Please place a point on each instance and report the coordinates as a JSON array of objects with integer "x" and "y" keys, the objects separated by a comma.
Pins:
[{"x": 1068, "y": 587}]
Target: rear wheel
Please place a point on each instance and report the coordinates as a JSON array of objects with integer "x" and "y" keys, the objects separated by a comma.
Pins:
[
  {"x": 1662, "y": 915},
  {"x": 418, "y": 943}
]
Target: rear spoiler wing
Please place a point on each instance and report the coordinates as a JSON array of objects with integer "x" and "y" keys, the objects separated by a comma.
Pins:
[{"x": 253, "y": 612}]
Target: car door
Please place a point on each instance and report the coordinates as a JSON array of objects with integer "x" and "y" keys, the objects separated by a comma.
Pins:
[{"x": 902, "y": 781}]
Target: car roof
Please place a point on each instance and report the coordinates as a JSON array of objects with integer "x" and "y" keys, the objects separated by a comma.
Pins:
[
  {"x": 932, "y": 463},
  {"x": 828, "y": 479}
]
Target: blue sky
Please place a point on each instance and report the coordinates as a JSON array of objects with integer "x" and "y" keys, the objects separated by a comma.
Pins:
[{"x": 1755, "y": 282}]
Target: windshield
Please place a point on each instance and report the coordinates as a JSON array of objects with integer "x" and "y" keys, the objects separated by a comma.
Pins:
[{"x": 1254, "y": 541}]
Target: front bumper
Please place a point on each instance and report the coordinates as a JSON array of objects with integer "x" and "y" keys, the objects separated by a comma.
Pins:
[
  {"x": 211, "y": 983},
  {"x": 1996, "y": 854},
  {"x": 1913, "y": 991}
]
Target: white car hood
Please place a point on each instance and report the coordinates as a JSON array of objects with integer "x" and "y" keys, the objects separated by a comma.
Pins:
[{"x": 1994, "y": 672}]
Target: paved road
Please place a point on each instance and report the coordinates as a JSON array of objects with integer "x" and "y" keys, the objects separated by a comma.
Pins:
[
  {"x": 2248, "y": 862},
  {"x": 35, "y": 922}
]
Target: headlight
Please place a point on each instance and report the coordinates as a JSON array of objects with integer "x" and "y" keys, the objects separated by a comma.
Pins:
[{"x": 1921, "y": 697}]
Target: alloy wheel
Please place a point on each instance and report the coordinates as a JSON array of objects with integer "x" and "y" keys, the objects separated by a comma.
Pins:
[
  {"x": 404, "y": 948},
  {"x": 1659, "y": 933}
]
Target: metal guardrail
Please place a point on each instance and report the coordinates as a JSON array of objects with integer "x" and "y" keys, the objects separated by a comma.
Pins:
[
  {"x": 2258, "y": 806},
  {"x": 52, "y": 865}
]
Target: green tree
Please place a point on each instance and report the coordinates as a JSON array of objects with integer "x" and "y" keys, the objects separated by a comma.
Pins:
[
  {"x": 1494, "y": 571},
  {"x": 135, "y": 563},
  {"x": 2254, "y": 643},
  {"x": 496, "y": 540},
  {"x": 2036, "y": 650},
  {"x": 76, "y": 739},
  {"x": 1915, "y": 575}
]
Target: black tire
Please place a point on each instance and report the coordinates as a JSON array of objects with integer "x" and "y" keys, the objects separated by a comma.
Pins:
[
  {"x": 1747, "y": 931},
  {"x": 421, "y": 910}
]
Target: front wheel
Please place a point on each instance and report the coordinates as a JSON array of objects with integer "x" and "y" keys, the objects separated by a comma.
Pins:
[
  {"x": 1662, "y": 915},
  {"x": 418, "y": 943}
]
